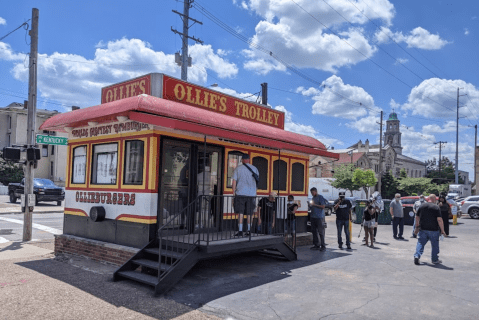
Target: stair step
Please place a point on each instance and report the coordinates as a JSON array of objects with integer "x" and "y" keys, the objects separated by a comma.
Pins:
[
  {"x": 165, "y": 253},
  {"x": 140, "y": 277},
  {"x": 150, "y": 264}
]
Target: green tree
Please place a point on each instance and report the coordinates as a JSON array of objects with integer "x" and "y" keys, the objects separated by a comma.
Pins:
[
  {"x": 344, "y": 178},
  {"x": 365, "y": 179},
  {"x": 389, "y": 185},
  {"x": 408, "y": 186},
  {"x": 10, "y": 171},
  {"x": 447, "y": 174},
  {"x": 402, "y": 173}
]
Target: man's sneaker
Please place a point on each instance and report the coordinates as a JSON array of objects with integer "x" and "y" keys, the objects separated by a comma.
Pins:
[
  {"x": 414, "y": 236},
  {"x": 349, "y": 247},
  {"x": 340, "y": 246},
  {"x": 416, "y": 261},
  {"x": 315, "y": 247},
  {"x": 401, "y": 237},
  {"x": 322, "y": 248},
  {"x": 437, "y": 261},
  {"x": 247, "y": 233},
  {"x": 239, "y": 234},
  {"x": 395, "y": 237}
]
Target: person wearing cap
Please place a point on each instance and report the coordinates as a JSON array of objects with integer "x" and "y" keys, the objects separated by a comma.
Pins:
[
  {"x": 416, "y": 206},
  {"x": 397, "y": 215},
  {"x": 244, "y": 191},
  {"x": 317, "y": 205},
  {"x": 343, "y": 210}
]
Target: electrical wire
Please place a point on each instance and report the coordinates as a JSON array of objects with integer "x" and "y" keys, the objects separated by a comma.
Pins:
[{"x": 23, "y": 24}]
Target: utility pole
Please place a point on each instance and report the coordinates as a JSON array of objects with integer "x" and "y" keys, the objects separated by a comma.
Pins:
[
  {"x": 475, "y": 157},
  {"x": 264, "y": 93},
  {"x": 440, "y": 148},
  {"x": 32, "y": 114},
  {"x": 380, "y": 151},
  {"x": 184, "y": 60},
  {"x": 457, "y": 138}
]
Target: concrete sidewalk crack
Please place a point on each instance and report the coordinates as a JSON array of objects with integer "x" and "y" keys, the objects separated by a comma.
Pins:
[{"x": 269, "y": 304}]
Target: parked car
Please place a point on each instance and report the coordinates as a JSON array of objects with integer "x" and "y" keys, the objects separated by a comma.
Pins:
[
  {"x": 470, "y": 205},
  {"x": 44, "y": 189}
]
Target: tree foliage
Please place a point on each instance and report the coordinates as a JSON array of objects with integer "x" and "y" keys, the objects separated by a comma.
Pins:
[
  {"x": 344, "y": 178},
  {"x": 10, "y": 171},
  {"x": 365, "y": 179},
  {"x": 446, "y": 175},
  {"x": 389, "y": 185}
]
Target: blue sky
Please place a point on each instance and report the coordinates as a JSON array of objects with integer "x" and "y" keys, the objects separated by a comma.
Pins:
[{"x": 362, "y": 56}]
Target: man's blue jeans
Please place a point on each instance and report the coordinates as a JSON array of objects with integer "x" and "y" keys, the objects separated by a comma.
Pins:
[
  {"x": 422, "y": 238},
  {"x": 339, "y": 225},
  {"x": 398, "y": 222}
]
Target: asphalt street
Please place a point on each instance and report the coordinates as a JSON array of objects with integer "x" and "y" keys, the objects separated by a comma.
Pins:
[{"x": 364, "y": 283}]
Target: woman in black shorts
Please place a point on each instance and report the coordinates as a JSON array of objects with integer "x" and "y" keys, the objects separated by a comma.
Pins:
[{"x": 369, "y": 222}]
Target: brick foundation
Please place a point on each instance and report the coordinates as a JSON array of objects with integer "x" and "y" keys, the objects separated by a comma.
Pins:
[{"x": 93, "y": 249}]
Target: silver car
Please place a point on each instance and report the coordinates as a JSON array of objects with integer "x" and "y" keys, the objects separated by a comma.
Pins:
[{"x": 470, "y": 205}]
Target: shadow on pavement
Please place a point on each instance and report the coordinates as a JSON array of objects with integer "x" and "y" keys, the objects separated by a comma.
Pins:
[
  {"x": 13, "y": 246},
  {"x": 207, "y": 281}
]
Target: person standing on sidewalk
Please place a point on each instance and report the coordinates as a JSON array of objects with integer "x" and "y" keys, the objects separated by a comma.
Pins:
[
  {"x": 416, "y": 206},
  {"x": 343, "y": 210},
  {"x": 370, "y": 216},
  {"x": 445, "y": 212},
  {"x": 244, "y": 191},
  {"x": 266, "y": 211},
  {"x": 429, "y": 226},
  {"x": 397, "y": 215},
  {"x": 317, "y": 205}
]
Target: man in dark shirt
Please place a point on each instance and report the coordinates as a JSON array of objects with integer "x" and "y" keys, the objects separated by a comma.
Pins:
[
  {"x": 428, "y": 225},
  {"x": 343, "y": 207},
  {"x": 267, "y": 213}
]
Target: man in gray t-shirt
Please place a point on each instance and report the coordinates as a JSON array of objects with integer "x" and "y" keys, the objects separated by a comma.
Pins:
[
  {"x": 244, "y": 190},
  {"x": 397, "y": 215}
]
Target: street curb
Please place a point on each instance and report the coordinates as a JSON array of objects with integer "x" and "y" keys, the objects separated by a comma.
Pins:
[{"x": 34, "y": 212}]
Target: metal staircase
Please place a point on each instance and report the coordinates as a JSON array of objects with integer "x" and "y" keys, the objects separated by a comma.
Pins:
[{"x": 168, "y": 258}]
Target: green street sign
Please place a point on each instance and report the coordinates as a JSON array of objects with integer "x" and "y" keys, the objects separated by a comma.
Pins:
[{"x": 59, "y": 141}]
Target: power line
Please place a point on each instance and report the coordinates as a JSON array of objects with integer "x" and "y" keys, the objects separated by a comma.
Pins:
[{"x": 23, "y": 24}]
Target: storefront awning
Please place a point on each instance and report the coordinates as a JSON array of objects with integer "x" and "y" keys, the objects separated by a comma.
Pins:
[{"x": 170, "y": 114}]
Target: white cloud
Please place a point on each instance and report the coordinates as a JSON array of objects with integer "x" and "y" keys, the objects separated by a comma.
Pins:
[
  {"x": 307, "y": 130},
  {"x": 436, "y": 98},
  {"x": 417, "y": 38},
  {"x": 62, "y": 78},
  {"x": 466, "y": 31},
  {"x": 246, "y": 96},
  {"x": 401, "y": 61},
  {"x": 3, "y": 21},
  {"x": 449, "y": 126},
  {"x": 308, "y": 92},
  {"x": 263, "y": 67},
  {"x": 367, "y": 124},
  {"x": 331, "y": 102}
]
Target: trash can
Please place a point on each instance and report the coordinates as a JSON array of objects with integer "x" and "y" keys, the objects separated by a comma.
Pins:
[
  {"x": 385, "y": 216},
  {"x": 408, "y": 220},
  {"x": 359, "y": 210}
]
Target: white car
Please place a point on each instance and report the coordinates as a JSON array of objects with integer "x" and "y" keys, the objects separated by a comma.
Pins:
[{"x": 470, "y": 205}]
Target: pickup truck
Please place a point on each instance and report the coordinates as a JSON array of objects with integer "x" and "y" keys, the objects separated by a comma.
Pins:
[{"x": 44, "y": 189}]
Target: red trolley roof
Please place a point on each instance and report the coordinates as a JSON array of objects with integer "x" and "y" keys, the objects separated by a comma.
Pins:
[{"x": 170, "y": 114}]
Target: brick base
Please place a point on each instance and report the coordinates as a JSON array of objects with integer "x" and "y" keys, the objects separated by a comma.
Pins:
[
  {"x": 304, "y": 239},
  {"x": 93, "y": 249}
]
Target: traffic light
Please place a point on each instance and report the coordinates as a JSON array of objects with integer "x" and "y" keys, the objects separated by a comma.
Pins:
[
  {"x": 11, "y": 154},
  {"x": 33, "y": 154}
]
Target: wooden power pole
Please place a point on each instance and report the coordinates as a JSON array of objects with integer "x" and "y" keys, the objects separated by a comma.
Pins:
[
  {"x": 380, "y": 152},
  {"x": 31, "y": 119}
]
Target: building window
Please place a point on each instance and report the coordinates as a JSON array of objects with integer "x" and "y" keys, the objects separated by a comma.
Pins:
[
  {"x": 262, "y": 165},
  {"x": 9, "y": 141},
  {"x": 134, "y": 155},
  {"x": 9, "y": 122},
  {"x": 45, "y": 151},
  {"x": 105, "y": 157},
  {"x": 234, "y": 160},
  {"x": 51, "y": 169},
  {"x": 79, "y": 164},
  {"x": 297, "y": 177},
  {"x": 318, "y": 173},
  {"x": 53, "y": 150},
  {"x": 376, "y": 168},
  {"x": 279, "y": 182}
]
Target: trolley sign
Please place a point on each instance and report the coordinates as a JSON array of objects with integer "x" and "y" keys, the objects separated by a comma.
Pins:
[{"x": 59, "y": 141}]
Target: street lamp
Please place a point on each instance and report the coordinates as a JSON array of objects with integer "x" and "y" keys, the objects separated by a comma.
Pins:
[{"x": 351, "y": 155}]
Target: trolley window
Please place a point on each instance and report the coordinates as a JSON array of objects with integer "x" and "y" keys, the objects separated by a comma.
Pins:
[
  {"x": 262, "y": 165},
  {"x": 79, "y": 164},
  {"x": 297, "y": 177},
  {"x": 134, "y": 155},
  {"x": 104, "y": 167},
  {"x": 280, "y": 182},
  {"x": 234, "y": 160}
]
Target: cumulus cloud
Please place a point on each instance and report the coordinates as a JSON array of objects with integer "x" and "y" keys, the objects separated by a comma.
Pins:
[
  {"x": 330, "y": 100},
  {"x": 466, "y": 31},
  {"x": 307, "y": 130},
  {"x": 401, "y": 61},
  {"x": 436, "y": 98},
  {"x": 367, "y": 124},
  {"x": 3, "y": 21},
  {"x": 75, "y": 80},
  {"x": 417, "y": 38}
]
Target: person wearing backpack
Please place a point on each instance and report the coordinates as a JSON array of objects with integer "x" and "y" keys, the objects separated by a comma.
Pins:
[{"x": 245, "y": 178}]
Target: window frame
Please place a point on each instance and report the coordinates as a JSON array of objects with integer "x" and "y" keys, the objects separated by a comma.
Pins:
[
  {"x": 92, "y": 169},
  {"x": 45, "y": 147},
  {"x": 72, "y": 156},
  {"x": 305, "y": 177},
  {"x": 287, "y": 160},
  {"x": 227, "y": 153},
  {"x": 268, "y": 176},
  {"x": 145, "y": 168}
]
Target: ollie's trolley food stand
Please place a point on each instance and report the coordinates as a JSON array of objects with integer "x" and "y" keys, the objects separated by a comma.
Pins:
[{"x": 138, "y": 163}]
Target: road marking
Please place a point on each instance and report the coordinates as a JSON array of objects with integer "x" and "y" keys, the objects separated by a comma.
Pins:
[
  {"x": 3, "y": 240},
  {"x": 34, "y": 225}
]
